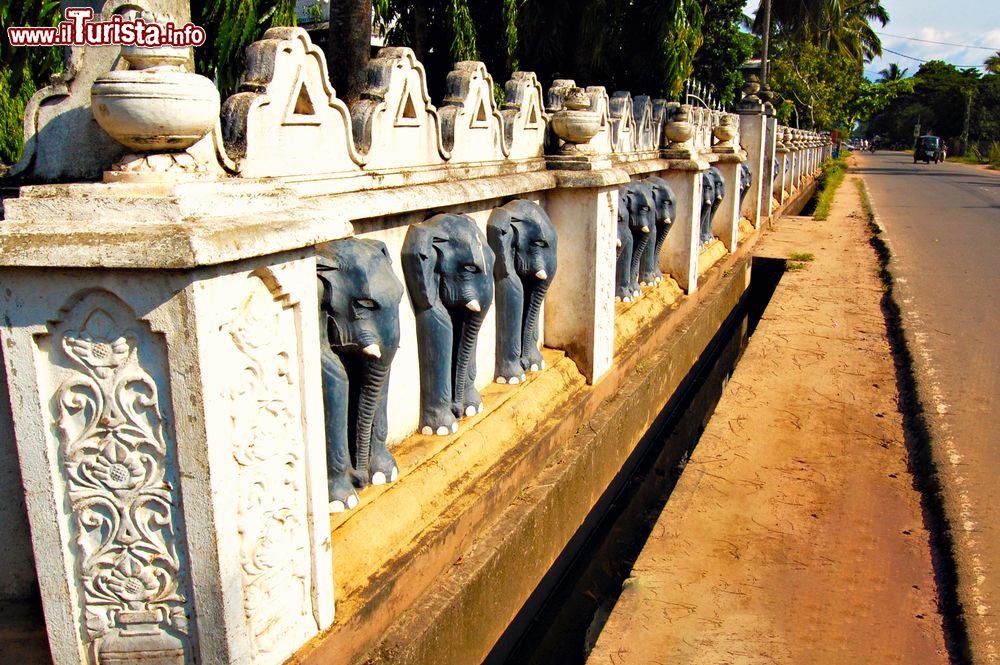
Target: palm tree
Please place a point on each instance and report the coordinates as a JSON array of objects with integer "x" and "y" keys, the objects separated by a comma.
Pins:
[
  {"x": 842, "y": 26},
  {"x": 891, "y": 73},
  {"x": 992, "y": 63}
]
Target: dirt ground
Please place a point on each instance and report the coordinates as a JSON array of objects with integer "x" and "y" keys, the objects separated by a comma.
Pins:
[{"x": 795, "y": 534}]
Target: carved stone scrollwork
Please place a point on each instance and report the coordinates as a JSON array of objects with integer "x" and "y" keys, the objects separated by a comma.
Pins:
[
  {"x": 120, "y": 476},
  {"x": 268, "y": 449}
]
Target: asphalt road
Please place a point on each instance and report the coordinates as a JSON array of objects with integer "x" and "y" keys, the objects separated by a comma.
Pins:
[{"x": 942, "y": 222}]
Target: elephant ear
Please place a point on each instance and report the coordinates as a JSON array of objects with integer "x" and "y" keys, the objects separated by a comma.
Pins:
[
  {"x": 500, "y": 238},
  {"x": 419, "y": 259}
]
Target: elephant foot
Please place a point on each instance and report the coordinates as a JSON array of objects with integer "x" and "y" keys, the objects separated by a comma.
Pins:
[
  {"x": 473, "y": 409},
  {"x": 534, "y": 366},
  {"x": 382, "y": 467},
  {"x": 509, "y": 372},
  {"x": 442, "y": 430},
  {"x": 512, "y": 380},
  {"x": 342, "y": 495},
  {"x": 440, "y": 420},
  {"x": 379, "y": 478}
]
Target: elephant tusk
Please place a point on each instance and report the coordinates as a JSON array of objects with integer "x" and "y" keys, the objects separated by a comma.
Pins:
[
  {"x": 718, "y": 198},
  {"x": 618, "y": 242},
  {"x": 645, "y": 229},
  {"x": 372, "y": 350},
  {"x": 474, "y": 306},
  {"x": 541, "y": 274}
]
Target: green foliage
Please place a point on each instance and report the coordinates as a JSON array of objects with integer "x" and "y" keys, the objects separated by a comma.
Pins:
[
  {"x": 841, "y": 26},
  {"x": 872, "y": 98},
  {"x": 23, "y": 70},
  {"x": 724, "y": 48},
  {"x": 231, "y": 26},
  {"x": 815, "y": 86},
  {"x": 831, "y": 175},
  {"x": 938, "y": 100}
]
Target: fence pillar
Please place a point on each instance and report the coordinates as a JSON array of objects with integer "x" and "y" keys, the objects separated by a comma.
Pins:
[{"x": 169, "y": 426}]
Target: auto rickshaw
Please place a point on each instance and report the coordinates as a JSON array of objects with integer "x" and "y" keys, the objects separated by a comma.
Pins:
[{"x": 927, "y": 148}]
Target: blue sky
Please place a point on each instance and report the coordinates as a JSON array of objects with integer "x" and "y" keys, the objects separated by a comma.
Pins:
[{"x": 964, "y": 22}]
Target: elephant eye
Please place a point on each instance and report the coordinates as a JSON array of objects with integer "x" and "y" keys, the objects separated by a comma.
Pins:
[
  {"x": 645, "y": 208},
  {"x": 540, "y": 243},
  {"x": 470, "y": 268},
  {"x": 366, "y": 303}
]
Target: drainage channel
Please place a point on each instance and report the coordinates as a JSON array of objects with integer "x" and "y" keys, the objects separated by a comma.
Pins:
[{"x": 560, "y": 622}]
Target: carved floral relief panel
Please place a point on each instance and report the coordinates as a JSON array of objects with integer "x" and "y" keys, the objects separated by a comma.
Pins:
[
  {"x": 117, "y": 471},
  {"x": 268, "y": 447}
]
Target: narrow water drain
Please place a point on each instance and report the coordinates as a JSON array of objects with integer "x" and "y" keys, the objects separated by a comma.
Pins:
[{"x": 559, "y": 623}]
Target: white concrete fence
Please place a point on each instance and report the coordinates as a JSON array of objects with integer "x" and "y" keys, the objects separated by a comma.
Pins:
[{"x": 159, "y": 328}]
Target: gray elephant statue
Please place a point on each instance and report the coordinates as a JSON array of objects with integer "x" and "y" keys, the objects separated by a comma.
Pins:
[
  {"x": 665, "y": 209},
  {"x": 713, "y": 189},
  {"x": 524, "y": 242},
  {"x": 636, "y": 221},
  {"x": 359, "y": 299},
  {"x": 746, "y": 179},
  {"x": 448, "y": 268}
]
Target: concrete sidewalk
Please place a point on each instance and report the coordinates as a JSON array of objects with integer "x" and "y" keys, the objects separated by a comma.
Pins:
[{"x": 794, "y": 534}]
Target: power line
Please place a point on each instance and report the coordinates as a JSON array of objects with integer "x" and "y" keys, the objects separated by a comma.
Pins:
[
  {"x": 919, "y": 60},
  {"x": 928, "y": 41}
]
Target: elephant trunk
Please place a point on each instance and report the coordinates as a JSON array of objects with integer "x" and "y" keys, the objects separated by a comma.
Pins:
[
  {"x": 529, "y": 336},
  {"x": 375, "y": 375},
  {"x": 466, "y": 347},
  {"x": 637, "y": 251}
]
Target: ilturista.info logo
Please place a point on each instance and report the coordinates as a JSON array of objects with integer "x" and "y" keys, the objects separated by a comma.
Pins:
[{"x": 79, "y": 29}]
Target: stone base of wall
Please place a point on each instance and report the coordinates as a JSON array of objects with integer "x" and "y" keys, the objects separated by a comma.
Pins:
[{"x": 433, "y": 568}]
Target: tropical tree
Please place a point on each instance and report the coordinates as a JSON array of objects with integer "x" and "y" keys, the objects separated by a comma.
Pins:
[
  {"x": 348, "y": 47},
  {"x": 231, "y": 26},
  {"x": 843, "y": 26},
  {"x": 23, "y": 70},
  {"x": 992, "y": 63},
  {"x": 724, "y": 48},
  {"x": 891, "y": 73}
]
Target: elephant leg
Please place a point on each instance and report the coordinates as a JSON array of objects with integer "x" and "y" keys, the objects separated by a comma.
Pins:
[
  {"x": 467, "y": 401},
  {"x": 650, "y": 273},
  {"x": 647, "y": 266},
  {"x": 623, "y": 291},
  {"x": 434, "y": 352},
  {"x": 662, "y": 229},
  {"x": 382, "y": 467},
  {"x": 510, "y": 304},
  {"x": 531, "y": 357},
  {"x": 335, "y": 410},
  {"x": 638, "y": 248},
  {"x": 706, "y": 226}
]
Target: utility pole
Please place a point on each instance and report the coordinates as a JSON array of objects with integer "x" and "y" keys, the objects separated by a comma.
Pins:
[{"x": 767, "y": 39}]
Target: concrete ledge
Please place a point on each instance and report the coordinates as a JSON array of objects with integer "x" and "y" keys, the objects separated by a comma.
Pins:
[
  {"x": 478, "y": 523},
  {"x": 475, "y": 599}
]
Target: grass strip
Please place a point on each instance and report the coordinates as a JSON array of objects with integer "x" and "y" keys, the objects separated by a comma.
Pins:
[{"x": 832, "y": 174}]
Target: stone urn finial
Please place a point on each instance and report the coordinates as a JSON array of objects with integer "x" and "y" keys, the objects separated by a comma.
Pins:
[
  {"x": 679, "y": 129},
  {"x": 155, "y": 107},
  {"x": 724, "y": 132},
  {"x": 576, "y": 124}
]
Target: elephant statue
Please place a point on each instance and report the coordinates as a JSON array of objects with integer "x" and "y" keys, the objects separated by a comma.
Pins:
[
  {"x": 665, "y": 209},
  {"x": 636, "y": 221},
  {"x": 746, "y": 179},
  {"x": 713, "y": 189},
  {"x": 448, "y": 269},
  {"x": 359, "y": 299},
  {"x": 524, "y": 241}
]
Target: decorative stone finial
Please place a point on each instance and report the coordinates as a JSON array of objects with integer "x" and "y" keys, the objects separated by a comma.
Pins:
[
  {"x": 576, "y": 124},
  {"x": 155, "y": 107},
  {"x": 724, "y": 132}
]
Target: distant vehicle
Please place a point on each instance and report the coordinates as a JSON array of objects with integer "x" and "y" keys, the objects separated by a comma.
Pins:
[{"x": 927, "y": 148}]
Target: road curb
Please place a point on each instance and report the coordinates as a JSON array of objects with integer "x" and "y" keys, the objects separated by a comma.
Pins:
[{"x": 934, "y": 468}]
